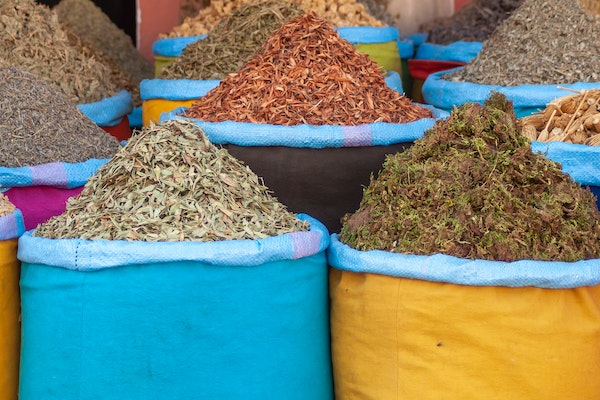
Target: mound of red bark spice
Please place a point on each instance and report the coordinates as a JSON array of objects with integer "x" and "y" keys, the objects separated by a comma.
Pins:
[{"x": 306, "y": 74}]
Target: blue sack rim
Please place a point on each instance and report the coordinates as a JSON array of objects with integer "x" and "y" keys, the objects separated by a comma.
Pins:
[
  {"x": 57, "y": 174},
  {"x": 311, "y": 136},
  {"x": 108, "y": 111},
  {"x": 368, "y": 34},
  {"x": 92, "y": 255},
  {"x": 12, "y": 226},
  {"x": 459, "y": 51},
  {"x": 173, "y": 47},
  {"x": 448, "y": 269},
  {"x": 176, "y": 89},
  {"x": 446, "y": 94}
]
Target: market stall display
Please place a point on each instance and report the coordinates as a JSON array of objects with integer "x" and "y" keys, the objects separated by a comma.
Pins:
[{"x": 314, "y": 119}]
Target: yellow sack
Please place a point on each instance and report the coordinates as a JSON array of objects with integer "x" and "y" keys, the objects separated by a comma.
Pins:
[
  {"x": 401, "y": 338},
  {"x": 165, "y": 95},
  {"x": 10, "y": 326},
  {"x": 152, "y": 109}
]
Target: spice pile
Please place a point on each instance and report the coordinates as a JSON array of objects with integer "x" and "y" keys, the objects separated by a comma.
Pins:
[
  {"x": 306, "y": 74},
  {"x": 571, "y": 119},
  {"x": 169, "y": 183},
  {"x": 90, "y": 23},
  {"x": 121, "y": 79},
  {"x": 338, "y": 12},
  {"x": 6, "y": 207},
  {"x": 542, "y": 42},
  {"x": 41, "y": 125},
  {"x": 474, "y": 22},
  {"x": 472, "y": 188},
  {"x": 232, "y": 42},
  {"x": 32, "y": 38}
]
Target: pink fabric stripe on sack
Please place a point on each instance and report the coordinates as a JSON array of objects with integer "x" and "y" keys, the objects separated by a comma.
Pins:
[
  {"x": 357, "y": 136},
  {"x": 51, "y": 174}
]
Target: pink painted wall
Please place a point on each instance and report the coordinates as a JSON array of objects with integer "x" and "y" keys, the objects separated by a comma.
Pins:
[{"x": 154, "y": 17}]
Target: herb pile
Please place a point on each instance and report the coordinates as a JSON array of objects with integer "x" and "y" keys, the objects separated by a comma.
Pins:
[
  {"x": 472, "y": 188},
  {"x": 542, "y": 42},
  {"x": 232, "y": 42},
  {"x": 338, "y": 12},
  {"x": 6, "y": 207},
  {"x": 90, "y": 23},
  {"x": 41, "y": 125},
  {"x": 169, "y": 183},
  {"x": 474, "y": 22},
  {"x": 32, "y": 38}
]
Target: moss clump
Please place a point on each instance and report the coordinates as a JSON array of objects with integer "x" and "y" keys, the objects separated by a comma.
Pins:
[{"x": 473, "y": 188}]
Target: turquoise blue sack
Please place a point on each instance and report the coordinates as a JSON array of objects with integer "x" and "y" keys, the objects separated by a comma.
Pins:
[
  {"x": 578, "y": 160},
  {"x": 458, "y": 51},
  {"x": 527, "y": 99},
  {"x": 112, "y": 320},
  {"x": 176, "y": 89},
  {"x": 109, "y": 111},
  {"x": 172, "y": 47}
]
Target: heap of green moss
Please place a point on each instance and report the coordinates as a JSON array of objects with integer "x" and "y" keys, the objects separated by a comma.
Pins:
[{"x": 473, "y": 188}]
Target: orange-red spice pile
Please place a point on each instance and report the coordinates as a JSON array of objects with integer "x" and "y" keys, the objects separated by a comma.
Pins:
[{"x": 306, "y": 74}]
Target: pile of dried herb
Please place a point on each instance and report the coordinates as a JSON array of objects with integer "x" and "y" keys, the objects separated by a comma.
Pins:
[
  {"x": 41, "y": 125},
  {"x": 472, "y": 188},
  {"x": 90, "y": 23},
  {"x": 306, "y": 74},
  {"x": 169, "y": 183},
  {"x": 121, "y": 79},
  {"x": 232, "y": 42},
  {"x": 474, "y": 22},
  {"x": 6, "y": 207},
  {"x": 32, "y": 38},
  {"x": 338, "y": 12},
  {"x": 542, "y": 42}
]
